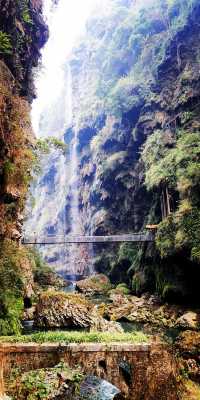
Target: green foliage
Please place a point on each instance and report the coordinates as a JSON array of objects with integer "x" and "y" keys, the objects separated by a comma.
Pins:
[
  {"x": 126, "y": 49},
  {"x": 42, "y": 383},
  {"x": 78, "y": 337},
  {"x": 57, "y": 143},
  {"x": 122, "y": 288},
  {"x": 165, "y": 238},
  {"x": 25, "y": 11},
  {"x": 158, "y": 160},
  {"x": 127, "y": 252},
  {"x": 163, "y": 285},
  {"x": 176, "y": 163},
  {"x": 44, "y": 146},
  {"x": 138, "y": 282},
  {"x": 8, "y": 169},
  {"x": 5, "y": 43},
  {"x": 11, "y": 286}
]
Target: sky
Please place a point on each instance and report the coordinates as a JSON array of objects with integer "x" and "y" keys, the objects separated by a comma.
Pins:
[{"x": 66, "y": 24}]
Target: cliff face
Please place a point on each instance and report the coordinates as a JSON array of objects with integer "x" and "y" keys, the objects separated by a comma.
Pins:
[
  {"x": 134, "y": 75},
  {"x": 22, "y": 33},
  {"x": 135, "y": 92}
]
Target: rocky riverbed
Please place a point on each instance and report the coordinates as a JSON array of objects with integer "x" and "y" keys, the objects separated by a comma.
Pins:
[{"x": 96, "y": 305}]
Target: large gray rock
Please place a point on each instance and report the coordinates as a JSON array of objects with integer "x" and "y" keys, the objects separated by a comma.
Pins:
[
  {"x": 70, "y": 310},
  {"x": 62, "y": 310}
]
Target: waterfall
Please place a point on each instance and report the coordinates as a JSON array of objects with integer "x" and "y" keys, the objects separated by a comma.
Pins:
[
  {"x": 75, "y": 226},
  {"x": 55, "y": 193}
]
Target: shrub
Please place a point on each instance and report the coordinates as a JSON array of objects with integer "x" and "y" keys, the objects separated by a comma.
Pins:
[
  {"x": 5, "y": 43},
  {"x": 11, "y": 288},
  {"x": 122, "y": 288}
]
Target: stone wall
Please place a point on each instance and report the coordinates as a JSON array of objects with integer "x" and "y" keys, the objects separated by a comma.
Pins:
[{"x": 141, "y": 372}]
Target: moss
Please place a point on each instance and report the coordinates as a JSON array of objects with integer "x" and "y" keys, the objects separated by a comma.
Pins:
[
  {"x": 78, "y": 337},
  {"x": 56, "y": 296},
  {"x": 190, "y": 391}
]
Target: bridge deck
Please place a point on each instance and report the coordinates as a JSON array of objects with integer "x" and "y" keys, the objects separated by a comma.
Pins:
[{"x": 46, "y": 240}]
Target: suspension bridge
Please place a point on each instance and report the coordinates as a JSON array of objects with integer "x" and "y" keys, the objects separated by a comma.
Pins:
[{"x": 65, "y": 239}]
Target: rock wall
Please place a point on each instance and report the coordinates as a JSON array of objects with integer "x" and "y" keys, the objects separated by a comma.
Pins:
[
  {"x": 22, "y": 34},
  {"x": 139, "y": 371},
  {"x": 127, "y": 84}
]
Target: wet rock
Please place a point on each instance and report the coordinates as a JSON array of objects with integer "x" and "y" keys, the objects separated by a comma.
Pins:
[
  {"x": 189, "y": 320},
  {"x": 102, "y": 325},
  {"x": 188, "y": 344},
  {"x": 15, "y": 235},
  {"x": 98, "y": 284},
  {"x": 149, "y": 310}
]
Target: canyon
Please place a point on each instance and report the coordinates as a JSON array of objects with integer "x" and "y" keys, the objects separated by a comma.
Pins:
[{"x": 106, "y": 145}]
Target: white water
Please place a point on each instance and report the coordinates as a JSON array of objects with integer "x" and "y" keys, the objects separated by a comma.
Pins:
[{"x": 75, "y": 225}]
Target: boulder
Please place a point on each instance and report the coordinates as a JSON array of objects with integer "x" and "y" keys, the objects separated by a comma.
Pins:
[
  {"x": 189, "y": 320},
  {"x": 47, "y": 278},
  {"x": 188, "y": 344},
  {"x": 146, "y": 310},
  {"x": 94, "y": 285},
  {"x": 62, "y": 310},
  {"x": 70, "y": 310},
  {"x": 94, "y": 388},
  {"x": 102, "y": 325}
]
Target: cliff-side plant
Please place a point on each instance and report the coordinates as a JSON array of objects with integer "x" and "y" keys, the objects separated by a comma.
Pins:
[
  {"x": 25, "y": 11},
  {"x": 5, "y": 43},
  {"x": 176, "y": 164},
  {"x": 12, "y": 285}
]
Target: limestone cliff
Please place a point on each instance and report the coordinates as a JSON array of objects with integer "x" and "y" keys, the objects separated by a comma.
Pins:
[
  {"x": 135, "y": 73},
  {"x": 22, "y": 33},
  {"x": 135, "y": 95}
]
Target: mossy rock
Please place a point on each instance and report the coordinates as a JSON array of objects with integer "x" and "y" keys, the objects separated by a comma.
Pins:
[
  {"x": 60, "y": 382},
  {"x": 97, "y": 284}
]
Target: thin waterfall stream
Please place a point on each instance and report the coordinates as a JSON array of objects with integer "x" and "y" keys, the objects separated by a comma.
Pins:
[{"x": 55, "y": 193}]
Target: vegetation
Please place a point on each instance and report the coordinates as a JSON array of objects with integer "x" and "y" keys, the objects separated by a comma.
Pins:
[
  {"x": 176, "y": 165},
  {"x": 45, "y": 145},
  {"x": 127, "y": 48},
  {"x": 121, "y": 288},
  {"x": 42, "y": 383},
  {"x": 11, "y": 287},
  {"x": 5, "y": 43},
  {"x": 78, "y": 337}
]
